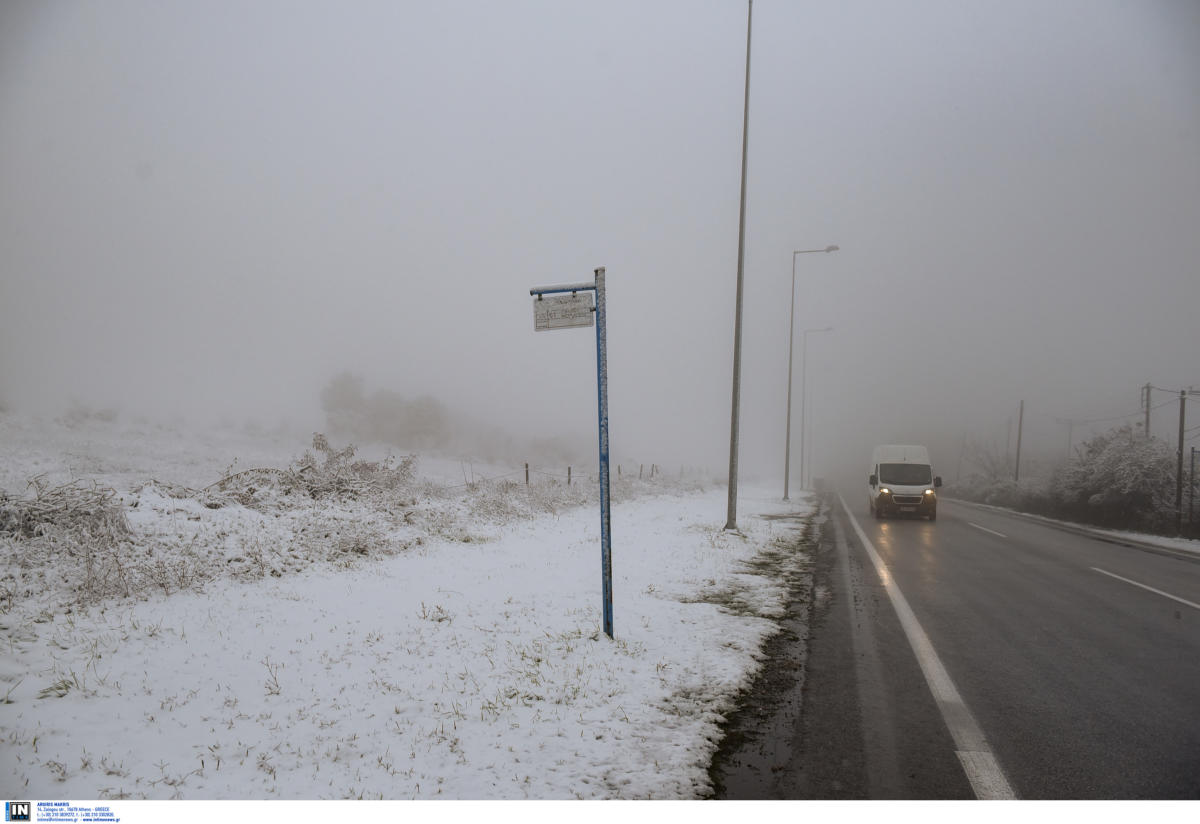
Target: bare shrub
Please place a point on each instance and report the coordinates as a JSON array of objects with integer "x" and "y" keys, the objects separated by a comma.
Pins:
[
  {"x": 338, "y": 475},
  {"x": 81, "y": 508},
  {"x": 321, "y": 473}
]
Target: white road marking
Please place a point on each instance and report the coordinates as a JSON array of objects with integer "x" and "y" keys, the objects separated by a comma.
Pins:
[
  {"x": 985, "y": 529},
  {"x": 980, "y": 765},
  {"x": 1148, "y": 589}
]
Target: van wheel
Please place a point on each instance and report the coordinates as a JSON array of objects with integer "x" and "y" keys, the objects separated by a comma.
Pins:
[{"x": 933, "y": 515}]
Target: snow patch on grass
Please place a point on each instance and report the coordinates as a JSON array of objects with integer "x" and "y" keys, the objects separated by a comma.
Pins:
[{"x": 420, "y": 643}]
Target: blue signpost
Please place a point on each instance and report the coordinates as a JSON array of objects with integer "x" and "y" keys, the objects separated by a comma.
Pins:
[{"x": 567, "y": 313}]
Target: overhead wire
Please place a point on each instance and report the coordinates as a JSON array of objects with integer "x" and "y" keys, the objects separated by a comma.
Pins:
[{"x": 1139, "y": 413}]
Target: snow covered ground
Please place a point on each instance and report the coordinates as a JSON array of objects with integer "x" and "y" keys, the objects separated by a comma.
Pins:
[{"x": 400, "y": 635}]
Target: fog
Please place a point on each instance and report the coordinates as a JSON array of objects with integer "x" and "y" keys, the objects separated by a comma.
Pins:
[{"x": 210, "y": 209}]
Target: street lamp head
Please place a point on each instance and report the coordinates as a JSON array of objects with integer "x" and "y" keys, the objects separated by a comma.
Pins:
[{"x": 831, "y": 248}]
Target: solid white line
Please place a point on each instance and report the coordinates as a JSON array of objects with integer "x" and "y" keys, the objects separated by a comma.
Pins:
[
  {"x": 1148, "y": 589},
  {"x": 985, "y": 529},
  {"x": 986, "y": 777}
]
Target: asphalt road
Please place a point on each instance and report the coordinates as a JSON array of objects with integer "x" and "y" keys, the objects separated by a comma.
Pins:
[{"x": 1073, "y": 667}]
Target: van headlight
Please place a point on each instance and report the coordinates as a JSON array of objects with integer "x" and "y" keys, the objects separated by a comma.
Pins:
[
  {"x": 883, "y": 490},
  {"x": 928, "y": 491}
]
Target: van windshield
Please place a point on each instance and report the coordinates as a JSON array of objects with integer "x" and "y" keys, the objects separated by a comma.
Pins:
[{"x": 909, "y": 474}]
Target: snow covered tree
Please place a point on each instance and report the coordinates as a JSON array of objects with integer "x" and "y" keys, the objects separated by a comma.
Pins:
[
  {"x": 1119, "y": 479},
  {"x": 344, "y": 401}
]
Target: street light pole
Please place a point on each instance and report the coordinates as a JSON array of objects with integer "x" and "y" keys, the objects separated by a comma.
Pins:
[
  {"x": 1183, "y": 393},
  {"x": 803, "y": 380},
  {"x": 731, "y": 511},
  {"x": 787, "y": 439}
]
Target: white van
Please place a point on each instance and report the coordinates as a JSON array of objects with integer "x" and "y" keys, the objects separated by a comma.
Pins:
[{"x": 902, "y": 482}]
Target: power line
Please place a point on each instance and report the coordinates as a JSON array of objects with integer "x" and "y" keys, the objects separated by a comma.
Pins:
[{"x": 1118, "y": 417}]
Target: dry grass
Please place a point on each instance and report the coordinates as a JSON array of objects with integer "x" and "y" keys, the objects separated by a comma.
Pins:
[
  {"x": 80, "y": 508},
  {"x": 329, "y": 474},
  {"x": 73, "y": 544}
]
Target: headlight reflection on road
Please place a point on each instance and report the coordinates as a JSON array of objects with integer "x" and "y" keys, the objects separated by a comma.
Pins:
[
  {"x": 885, "y": 536},
  {"x": 929, "y": 558},
  {"x": 884, "y": 544}
]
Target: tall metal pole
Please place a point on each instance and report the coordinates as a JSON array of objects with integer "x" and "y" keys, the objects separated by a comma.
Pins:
[
  {"x": 1020, "y": 425},
  {"x": 731, "y": 514},
  {"x": 803, "y": 401},
  {"x": 804, "y": 398},
  {"x": 1179, "y": 463},
  {"x": 787, "y": 439},
  {"x": 602, "y": 402},
  {"x": 601, "y": 313}
]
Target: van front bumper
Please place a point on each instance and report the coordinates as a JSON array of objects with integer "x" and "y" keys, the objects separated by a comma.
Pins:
[{"x": 895, "y": 503}]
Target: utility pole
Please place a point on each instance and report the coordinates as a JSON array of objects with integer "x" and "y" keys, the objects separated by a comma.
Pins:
[
  {"x": 1179, "y": 468},
  {"x": 1020, "y": 422},
  {"x": 1146, "y": 404},
  {"x": 1192, "y": 488},
  {"x": 961, "y": 450},
  {"x": 1070, "y": 424},
  {"x": 731, "y": 512}
]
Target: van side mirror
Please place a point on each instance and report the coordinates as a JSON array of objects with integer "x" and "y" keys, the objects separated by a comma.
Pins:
[
  {"x": 937, "y": 481},
  {"x": 873, "y": 479}
]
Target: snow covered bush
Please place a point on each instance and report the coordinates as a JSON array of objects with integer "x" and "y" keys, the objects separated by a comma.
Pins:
[
  {"x": 1119, "y": 479},
  {"x": 334, "y": 475},
  {"x": 337, "y": 474},
  {"x": 79, "y": 508},
  {"x": 78, "y": 535}
]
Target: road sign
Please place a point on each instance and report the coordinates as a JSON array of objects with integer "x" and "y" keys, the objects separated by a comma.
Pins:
[
  {"x": 562, "y": 311},
  {"x": 571, "y": 305}
]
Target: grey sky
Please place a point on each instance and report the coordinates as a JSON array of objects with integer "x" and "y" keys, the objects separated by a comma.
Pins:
[{"x": 216, "y": 206}]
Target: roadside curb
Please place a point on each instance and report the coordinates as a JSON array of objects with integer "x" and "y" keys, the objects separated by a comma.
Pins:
[
  {"x": 1100, "y": 535},
  {"x": 751, "y": 758}
]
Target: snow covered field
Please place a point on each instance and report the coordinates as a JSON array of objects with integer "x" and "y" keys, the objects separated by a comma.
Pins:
[{"x": 331, "y": 629}]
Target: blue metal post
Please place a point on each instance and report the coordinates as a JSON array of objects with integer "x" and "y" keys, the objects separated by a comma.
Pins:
[
  {"x": 602, "y": 401},
  {"x": 602, "y": 405}
]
